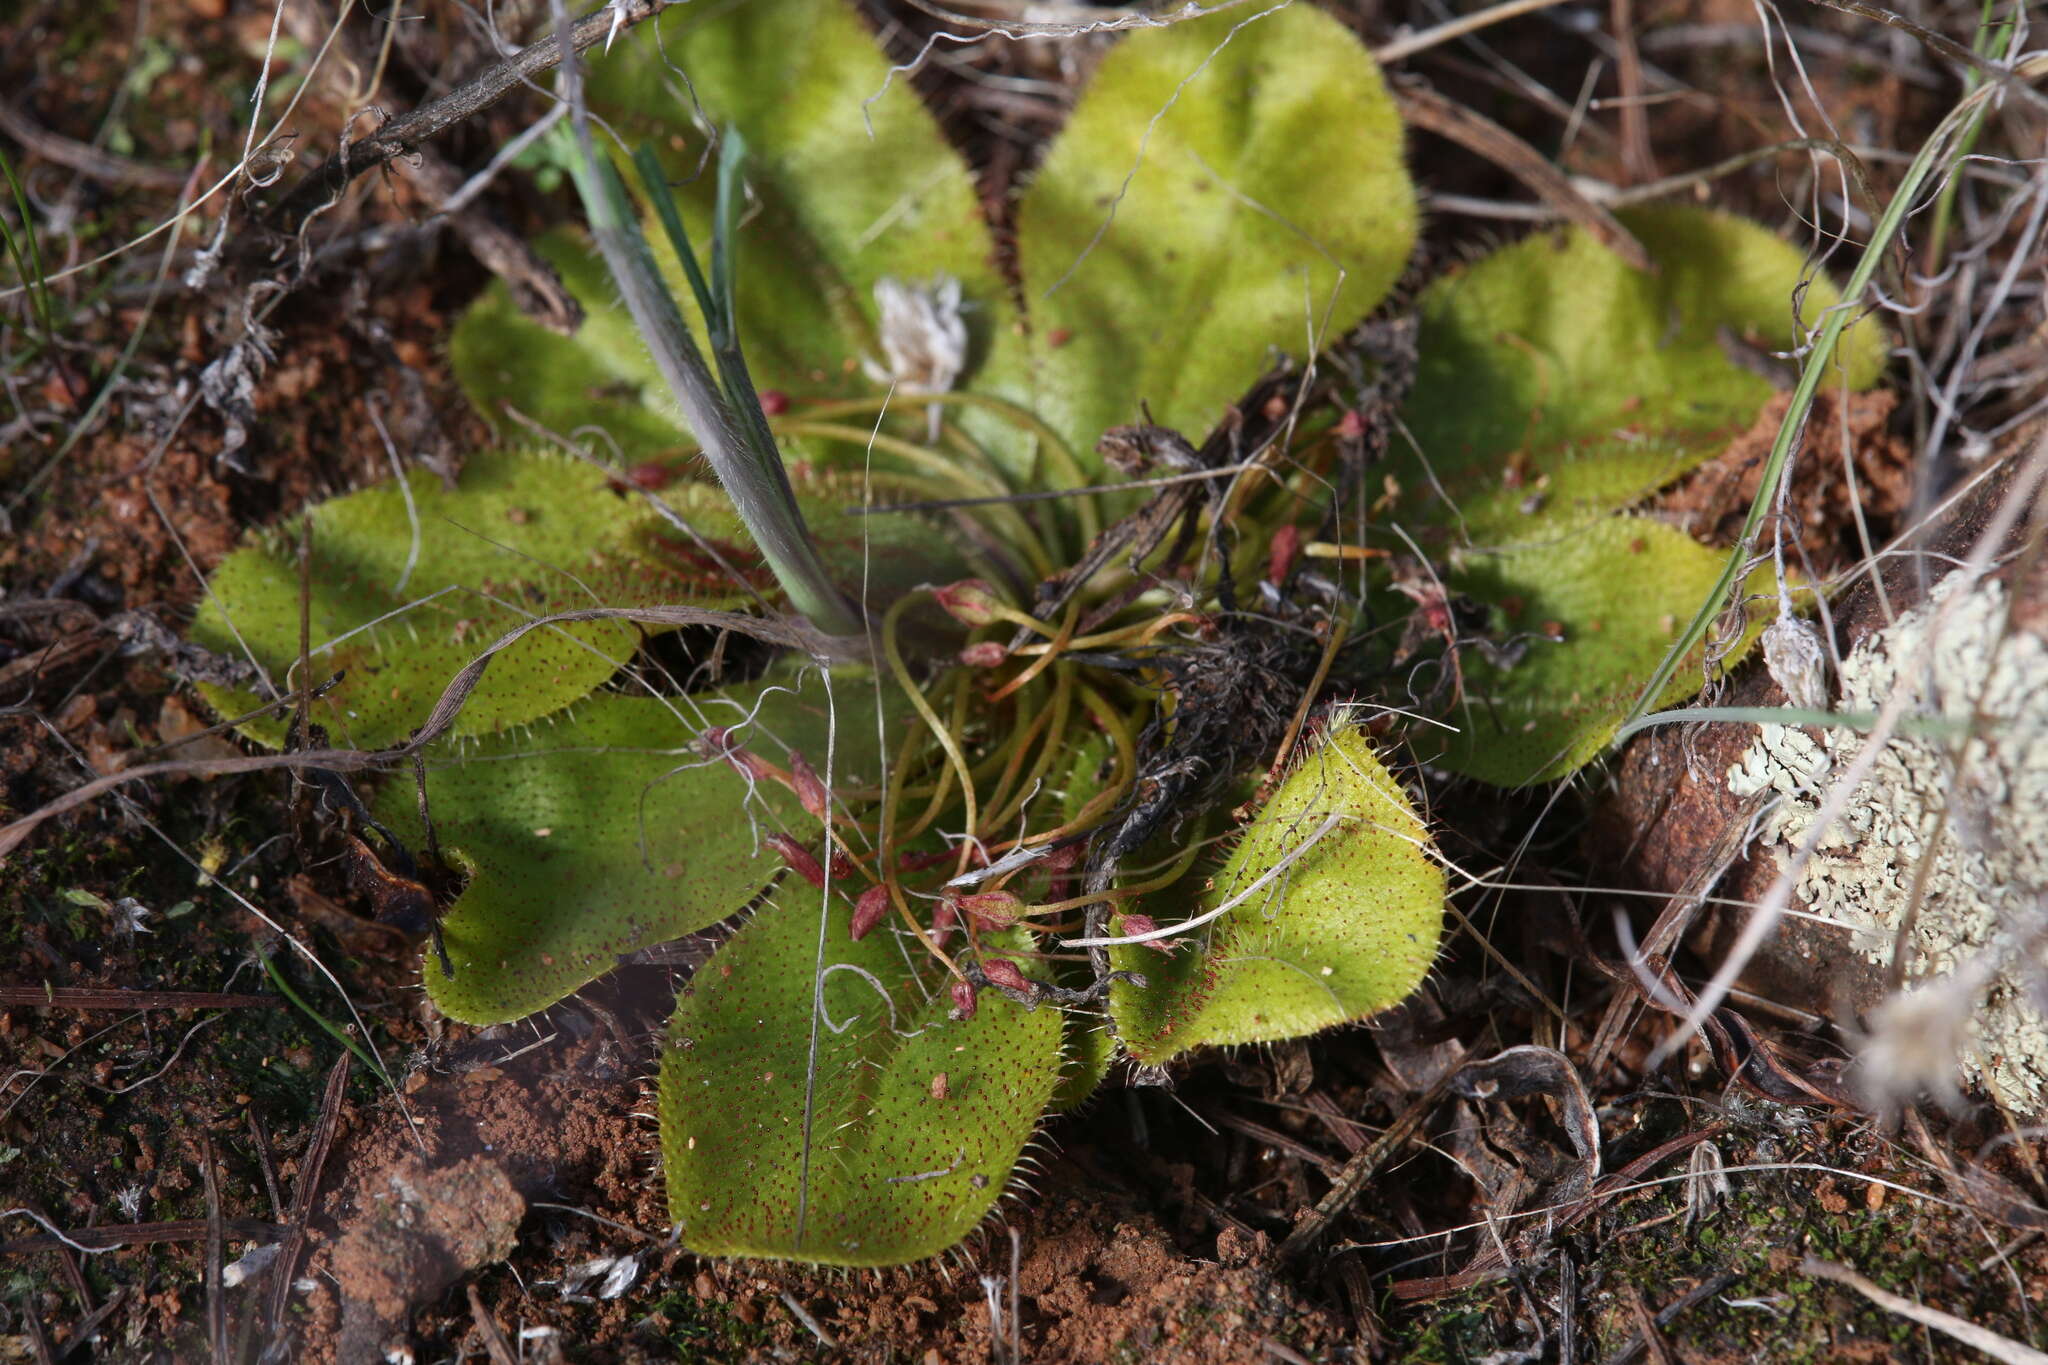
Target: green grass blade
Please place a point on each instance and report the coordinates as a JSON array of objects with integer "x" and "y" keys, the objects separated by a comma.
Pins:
[
  {"x": 1819, "y": 361},
  {"x": 655, "y": 181},
  {"x": 27, "y": 255},
  {"x": 753, "y": 476}
]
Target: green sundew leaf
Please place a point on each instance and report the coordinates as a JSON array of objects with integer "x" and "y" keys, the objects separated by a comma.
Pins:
[
  {"x": 834, "y": 207},
  {"x": 890, "y": 553},
  {"x": 1620, "y": 589},
  {"x": 901, "y": 1165},
  {"x": 1340, "y": 906},
  {"x": 600, "y": 832},
  {"x": 1090, "y": 1041},
  {"x": 1263, "y": 158},
  {"x": 521, "y": 536},
  {"x": 1556, "y": 383},
  {"x": 1090, "y": 1048},
  {"x": 601, "y": 376}
]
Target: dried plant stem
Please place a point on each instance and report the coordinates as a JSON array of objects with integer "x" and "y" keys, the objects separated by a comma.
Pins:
[
  {"x": 1969, "y": 1333},
  {"x": 1389, "y": 53},
  {"x": 1447, "y": 118}
]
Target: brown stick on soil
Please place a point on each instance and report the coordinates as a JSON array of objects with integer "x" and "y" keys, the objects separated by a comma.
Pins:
[
  {"x": 96, "y": 998},
  {"x": 216, "y": 1249},
  {"x": 89, "y": 1325},
  {"x": 305, "y": 1195},
  {"x": 83, "y": 157},
  {"x": 108, "y": 1236},
  {"x": 1361, "y": 1168},
  {"x": 1647, "y": 1331},
  {"x": 1633, "y": 1349},
  {"x": 495, "y": 1345}
]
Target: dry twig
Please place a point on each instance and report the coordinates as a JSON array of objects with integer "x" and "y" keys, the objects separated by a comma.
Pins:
[
  {"x": 1427, "y": 109},
  {"x": 406, "y": 132},
  {"x": 495, "y": 1345},
  {"x": 1991, "y": 1343},
  {"x": 306, "y": 1195}
]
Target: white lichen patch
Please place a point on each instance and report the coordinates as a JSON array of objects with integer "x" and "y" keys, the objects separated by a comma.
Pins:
[{"x": 1978, "y": 809}]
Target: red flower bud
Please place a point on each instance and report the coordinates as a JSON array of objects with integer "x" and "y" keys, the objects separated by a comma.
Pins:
[
  {"x": 1351, "y": 425},
  {"x": 842, "y": 866},
  {"x": 651, "y": 475},
  {"x": 1003, "y": 973},
  {"x": 970, "y": 602},
  {"x": 869, "y": 909},
  {"x": 944, "y": 918},
  {"x": 1134, "y": 923},
  {"x": 774, "y": 402},
  {"x": 1063, "y": 859},
  {"x": 963, "y": 1000},
  {"x": 1286, "y": 544},
  {"x": 718, "y": 742},
  {"x": 810, "y": 790},
  {"x": 987, "y": 654},
  {"x": 800, "y": 859},
  {"x": 991, "y": 909}
]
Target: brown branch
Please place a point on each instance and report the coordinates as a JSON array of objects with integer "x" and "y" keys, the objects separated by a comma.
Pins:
[
  {"x": 1636, "y": 156},
  {"x": 1665, "y": 1316},
  {"x": 94, "y": 998},
  {"x": 108, "y": 1236},
  {"x": 83, "y": 157},
  {"x": 305, "y": 1196},
  {"x": 1361, "y": 1168},
  {"x": 216, "y": 1253},
  {"x": 406, "y": 132},
  {"x": 1430, "y": 111},
  {"x": 495, "y": 1345},
  {"x": 536, "y": 289}
]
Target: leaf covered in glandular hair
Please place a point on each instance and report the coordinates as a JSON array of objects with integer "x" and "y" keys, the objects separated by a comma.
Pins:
[
  {"x": 886, "y": 555},
  {"x": 603, "y": 831},
  {"x": 1593, "y": 615},
  {"x": 1226, "y": 187},
  {"x": 1090, "y": 1038},
  {"x": 409, "y": 583},
  {"x": 1556, "y": 383},
  {"x": 1336, "y": 909},
  {"x": 894, "y": 1145}
]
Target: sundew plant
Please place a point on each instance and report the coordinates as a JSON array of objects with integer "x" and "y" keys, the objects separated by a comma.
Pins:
[{"x": 1030, "y": 663}]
